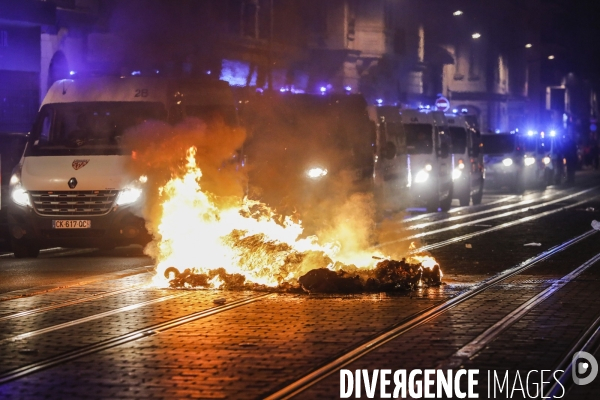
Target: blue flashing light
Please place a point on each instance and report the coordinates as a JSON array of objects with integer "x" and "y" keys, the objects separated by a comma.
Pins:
[
  {"x": 135, "y": 73},
  {"x": 348, "y": 88},
  {"x": 455, "y": 111},
  {"x": 464, "y": 110},
  {"x": 497, "y": 130},
  {"x": 552, "y": 133},
  {"x": 530, "y": 133},
  {"x": 379, "y": 101},
  {"x": 72, "y": 73},
  {"x": 323, "y": 89},
  {"x": 427, "y": 107},
  {"x": 207, "y": 72},
  {"x": 158, "y": 72},
  {"x": 517, "y": 130}
]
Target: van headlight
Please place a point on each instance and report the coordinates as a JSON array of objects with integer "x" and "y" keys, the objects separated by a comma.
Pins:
[
  {"x": 529, "y": 161},
  {"x": 456, "y": 173},
  {"x": 128, "y": 196},
  {"x": 20, "y": 196},
  {"x": 17, "y": 193},
  {"x": 507, "y": 162},
  {"x": 421, "y": 176}
]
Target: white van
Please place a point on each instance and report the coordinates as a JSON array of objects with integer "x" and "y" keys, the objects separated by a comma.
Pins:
[
  {"x": 428, "y": 159},
  {"x": 467, "y": 169},
  {"x": 70, "y": 188},
  {"x": 390, "y": 173}
]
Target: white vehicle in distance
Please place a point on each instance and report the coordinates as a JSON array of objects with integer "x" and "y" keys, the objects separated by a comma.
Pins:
[
  {"x": 467, "y": 172},
  {"x": 71, "y": 187},
  {"x": 536, "y": 159},
  {"x": 504, "y": 161},
  {"x": 390, "y": 177},
  {"x": 428, "y": 159}
]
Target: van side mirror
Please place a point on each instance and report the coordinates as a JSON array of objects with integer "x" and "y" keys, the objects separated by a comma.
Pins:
[
  {"x": 444, "y": 150},
  {"x": 389, "y": 151}
]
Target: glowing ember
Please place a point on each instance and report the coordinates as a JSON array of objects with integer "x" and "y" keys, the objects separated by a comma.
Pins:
[{"x": 208, "y": 242}]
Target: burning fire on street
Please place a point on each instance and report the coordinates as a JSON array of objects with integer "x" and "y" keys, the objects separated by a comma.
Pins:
[{"x": 207, "y": 243}]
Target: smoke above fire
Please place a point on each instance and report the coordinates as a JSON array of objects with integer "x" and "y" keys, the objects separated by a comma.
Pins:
[{"x": 202, "y": 220}]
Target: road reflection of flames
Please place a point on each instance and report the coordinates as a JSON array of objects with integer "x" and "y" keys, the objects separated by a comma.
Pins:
[{"x": 244, "y": 238}]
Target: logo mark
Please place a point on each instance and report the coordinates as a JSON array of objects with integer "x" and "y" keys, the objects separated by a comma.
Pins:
[
  {"x": 584, "y": 368},
  {"x": 72, "y": 183},
  {"x": 78, "y": 164}
]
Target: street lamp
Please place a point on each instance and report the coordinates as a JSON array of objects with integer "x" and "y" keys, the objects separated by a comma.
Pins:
[
  {"x": 457, "y": 13},
  {"x": 528, "y": 45},
  {"x": 476, "y": 35},
  {"x": 550, "y": 57}
]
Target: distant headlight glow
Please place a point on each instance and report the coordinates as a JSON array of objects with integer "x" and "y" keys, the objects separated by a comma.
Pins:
[
  {"x": 529, "y": 161},
  {"x": 456, "y": 173},
  {"x": 315, "y": 173},
  {"x": 507, "y": 162},
  {"x": 421, "y": 176},
  {"x": 546, "y": 160},
  {"x": 128, "y": 196}
]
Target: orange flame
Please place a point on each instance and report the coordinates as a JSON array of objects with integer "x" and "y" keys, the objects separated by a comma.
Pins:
[{"x": 243, "y": 237}]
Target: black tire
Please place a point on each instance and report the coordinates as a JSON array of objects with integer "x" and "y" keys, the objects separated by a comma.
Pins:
[
  {"x": 433, "y": 204},
  {"x": 465, "y": 199},
  {"x": 25, "y": 249},
  {"x": 518, "y": 187},
  {"x": 543, "y": 183},
  {"x": 477, "y": 197},
  {"x": 447, "y": 202}
]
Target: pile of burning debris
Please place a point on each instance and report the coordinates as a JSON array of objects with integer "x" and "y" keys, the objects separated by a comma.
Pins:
[{"x": 387, "y": 276}]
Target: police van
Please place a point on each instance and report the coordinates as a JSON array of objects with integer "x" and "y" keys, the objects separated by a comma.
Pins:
[
  {"x": 467, "y": 172},
  {"x": 390, "y": 172},
  {"x": 71, "y": 187},
  {"x": 428, "y": 159}
]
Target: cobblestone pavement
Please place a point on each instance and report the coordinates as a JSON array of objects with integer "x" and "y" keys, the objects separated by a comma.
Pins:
[{"x": 255, "y": 349}]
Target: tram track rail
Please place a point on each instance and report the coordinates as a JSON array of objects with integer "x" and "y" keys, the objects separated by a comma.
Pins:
[
  {"x": 412, "y": 322},
  {"x": 125, "y": 338},
  {"x": 71, "y": 284},
  {"x": 502, "y": 215},
  {"x": 67, "y": 303},
  {"x": 458, "y": 209},
  {"x": 407, "y": 324},
  {"x": 461, "y": 238},
  {"x": 587, "y": 342},
  {"x": 89, "y": 318},
  {"x": 418, "y": 250}
]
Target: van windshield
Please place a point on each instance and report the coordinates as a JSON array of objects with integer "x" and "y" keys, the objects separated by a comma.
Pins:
[
  {"x": 94, "y": 128},
  {"x": 498, "y": 144},
  {"x": 418, "y": 138},
  {"x": 530, "y": 144},
  {"x": 459, "y": 139}
]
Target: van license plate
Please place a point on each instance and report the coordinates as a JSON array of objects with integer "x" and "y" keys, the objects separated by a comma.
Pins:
[{"x": 71, "y": 223}]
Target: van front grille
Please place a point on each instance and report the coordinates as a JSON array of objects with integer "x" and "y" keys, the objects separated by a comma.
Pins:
[{"x": 73, "y": 203}]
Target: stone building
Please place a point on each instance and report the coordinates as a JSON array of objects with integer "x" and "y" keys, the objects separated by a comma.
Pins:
[{"x": 404, "y": 52}]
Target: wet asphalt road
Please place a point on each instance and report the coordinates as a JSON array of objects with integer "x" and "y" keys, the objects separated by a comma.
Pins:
[{"x": 67, "y": 301}]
